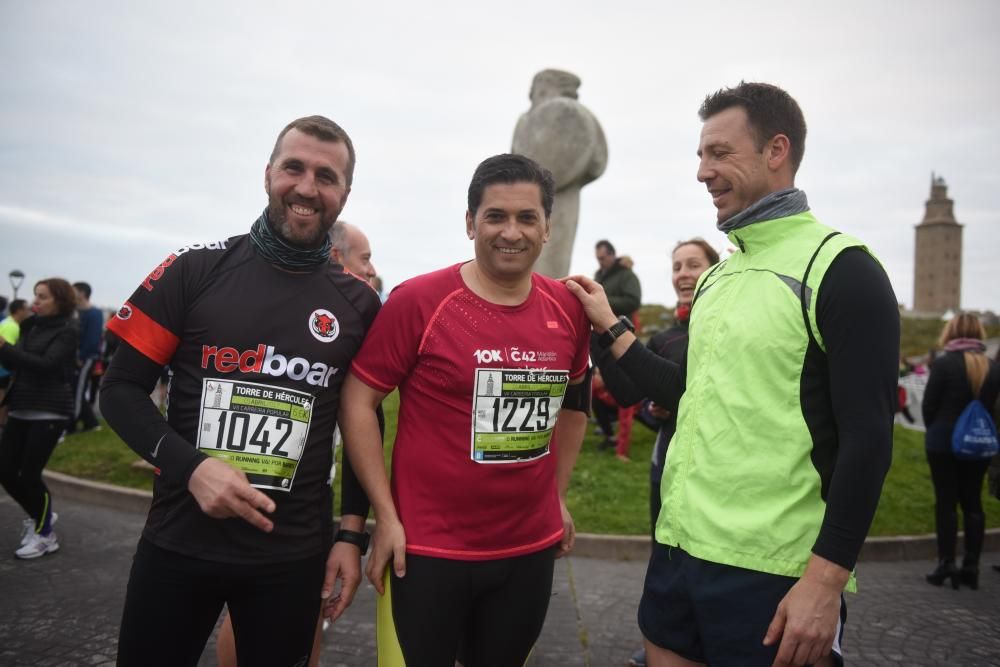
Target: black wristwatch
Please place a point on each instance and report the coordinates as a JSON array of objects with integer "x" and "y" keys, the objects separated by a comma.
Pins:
[
  {"x": 360, "y": 540},
  {"x": 614, "y": 331}
]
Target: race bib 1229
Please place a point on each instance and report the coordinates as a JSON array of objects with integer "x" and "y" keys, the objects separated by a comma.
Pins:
[{"x": 514, "y": 413}]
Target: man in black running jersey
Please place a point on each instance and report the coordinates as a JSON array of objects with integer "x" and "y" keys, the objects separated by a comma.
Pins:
[{"x": 258, "y": 331}]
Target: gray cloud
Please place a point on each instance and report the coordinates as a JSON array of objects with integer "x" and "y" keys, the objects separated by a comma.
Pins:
[{"x": 127, "y": 130}]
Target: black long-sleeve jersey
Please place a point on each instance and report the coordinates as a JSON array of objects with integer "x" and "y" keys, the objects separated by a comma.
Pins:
[{"x": 258, "y": 356}]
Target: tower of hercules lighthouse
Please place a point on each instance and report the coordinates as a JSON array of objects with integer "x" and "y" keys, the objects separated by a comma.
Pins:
[{"x": 937, "y": 266}]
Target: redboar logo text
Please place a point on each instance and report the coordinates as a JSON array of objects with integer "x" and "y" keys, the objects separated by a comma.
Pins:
[
  {"x": 157, "y": 273},
  {"x": 263, "y": 359}
]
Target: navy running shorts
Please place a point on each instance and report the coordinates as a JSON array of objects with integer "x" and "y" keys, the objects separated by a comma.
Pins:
[{"x": 713, "y": 613}]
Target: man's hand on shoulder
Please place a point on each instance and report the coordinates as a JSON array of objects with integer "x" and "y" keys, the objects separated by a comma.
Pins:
[
  {"x": 806, "y": 619},
  {"x": 594, "y": 301},
  {"x": 223, "y": 492}
]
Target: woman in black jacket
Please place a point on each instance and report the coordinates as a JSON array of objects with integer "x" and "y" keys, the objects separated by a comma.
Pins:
[
  {"x": 962, "y": 373},
  {"x": 40, "y": 400}
]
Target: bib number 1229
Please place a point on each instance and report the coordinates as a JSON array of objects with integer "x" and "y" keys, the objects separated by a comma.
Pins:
[{"x": 531, "y": 412}]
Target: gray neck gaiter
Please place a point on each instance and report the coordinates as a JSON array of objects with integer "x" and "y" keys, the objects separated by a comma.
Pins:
[{"x": 780, "y": 204}]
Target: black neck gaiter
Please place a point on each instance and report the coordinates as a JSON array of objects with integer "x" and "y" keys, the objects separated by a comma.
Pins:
[{"x": 282, "y": 254}]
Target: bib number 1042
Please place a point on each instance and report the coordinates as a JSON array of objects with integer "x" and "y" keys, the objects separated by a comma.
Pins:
[
  {"x": 236, "y": 431},
  {"x": 520, "y": 415}
]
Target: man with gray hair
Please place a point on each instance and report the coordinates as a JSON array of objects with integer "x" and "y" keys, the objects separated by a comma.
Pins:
[{"x": 352, "y": 250}]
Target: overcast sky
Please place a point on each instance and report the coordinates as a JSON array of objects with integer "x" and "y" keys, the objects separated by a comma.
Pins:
[{"x": 128, "y": 129}]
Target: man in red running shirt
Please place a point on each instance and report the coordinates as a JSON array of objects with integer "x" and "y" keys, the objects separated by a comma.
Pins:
[{"x": 490, "y": 360}]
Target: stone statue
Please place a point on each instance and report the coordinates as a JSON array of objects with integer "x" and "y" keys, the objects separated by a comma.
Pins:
[{"x": 562, "y": 135}]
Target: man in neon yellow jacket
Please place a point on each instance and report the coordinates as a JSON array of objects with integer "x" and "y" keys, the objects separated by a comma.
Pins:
[{"x": 785, "y": 410}]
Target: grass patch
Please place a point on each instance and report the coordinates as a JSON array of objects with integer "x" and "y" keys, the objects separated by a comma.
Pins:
[
  {"x": 605, "y": 496},
  {"x": 100, "y": 456}
]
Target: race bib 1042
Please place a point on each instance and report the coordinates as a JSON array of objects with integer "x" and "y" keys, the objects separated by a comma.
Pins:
[
  {"x": 514, "y": 413},
  {"x": 257, "y": 428}
]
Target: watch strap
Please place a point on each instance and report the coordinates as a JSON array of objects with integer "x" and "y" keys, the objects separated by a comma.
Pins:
[
  {"x": 607, "y": 338},
  {"x": 358, "y": 539}
]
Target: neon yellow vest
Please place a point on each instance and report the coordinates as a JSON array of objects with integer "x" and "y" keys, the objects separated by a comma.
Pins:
[{"x": 739, "y": 486}]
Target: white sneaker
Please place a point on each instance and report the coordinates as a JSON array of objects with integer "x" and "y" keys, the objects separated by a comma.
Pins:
[
  {"x": 29, "y": 527},
  {"x": 38, "y": 545}
]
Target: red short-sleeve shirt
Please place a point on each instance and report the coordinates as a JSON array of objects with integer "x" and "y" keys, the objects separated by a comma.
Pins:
[{"x": 473, "y": 477}]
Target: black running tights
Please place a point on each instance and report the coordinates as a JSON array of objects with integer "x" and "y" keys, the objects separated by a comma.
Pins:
[
  {"x": 493, "y": 609},
  {"x": 958, "y": 482},
  {"x": 24, "y": 450},
  {"x": 173, "y": 602}
]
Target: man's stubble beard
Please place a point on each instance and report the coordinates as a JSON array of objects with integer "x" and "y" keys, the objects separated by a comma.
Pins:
[{"x": 280, "y": 226}]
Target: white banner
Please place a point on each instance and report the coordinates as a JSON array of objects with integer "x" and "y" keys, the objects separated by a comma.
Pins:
[{"x": 911, "y": 416}]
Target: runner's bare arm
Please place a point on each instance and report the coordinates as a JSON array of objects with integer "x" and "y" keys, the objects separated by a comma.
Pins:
[
  {"x": 569, "y": 433},
  {"x": 363, "y": 444}
]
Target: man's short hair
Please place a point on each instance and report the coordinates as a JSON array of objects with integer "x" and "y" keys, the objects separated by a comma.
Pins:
[
  {"x": 606, "y": 244},
  {"x": 16, "y": 306},
  {"x": 338, "y": 237},
  {"x": 84, "y": 289},
  {"x": 510, "y": 168},
  {"x": 323, "y": 129},
  {"x": 770, "y": 111}
]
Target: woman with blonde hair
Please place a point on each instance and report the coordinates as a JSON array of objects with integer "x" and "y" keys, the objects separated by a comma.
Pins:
[{"x": 959, "y": 375}]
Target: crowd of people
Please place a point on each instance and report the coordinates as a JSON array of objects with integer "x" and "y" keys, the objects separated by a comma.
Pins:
[{"x": 773, "y": 397}]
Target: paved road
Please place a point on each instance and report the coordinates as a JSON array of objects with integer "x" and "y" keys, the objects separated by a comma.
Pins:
[{"x": 64, "y": 609}]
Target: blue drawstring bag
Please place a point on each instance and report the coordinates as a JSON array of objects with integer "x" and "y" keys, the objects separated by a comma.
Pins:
[{"x": 974, "y": 437}]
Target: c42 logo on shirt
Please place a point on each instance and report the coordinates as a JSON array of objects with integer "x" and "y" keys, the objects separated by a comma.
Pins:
[
  {"x": 514, "y": 413},
  {"x": 257, "y": 428}
]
